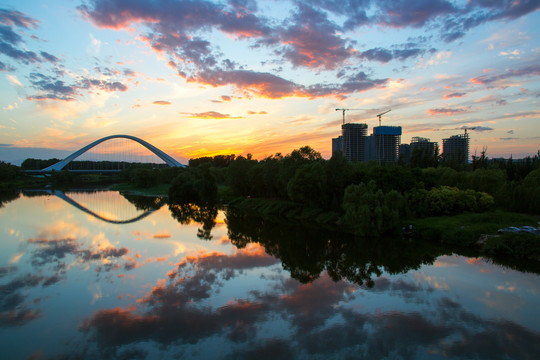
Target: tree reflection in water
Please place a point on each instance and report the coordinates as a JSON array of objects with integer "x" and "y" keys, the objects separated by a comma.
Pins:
[
  {"x": 145, "y": 203},
  {"x": 204, "y": 214},
  {"x": 306, "y": 251},
  {"x": 7, "y": 196}
]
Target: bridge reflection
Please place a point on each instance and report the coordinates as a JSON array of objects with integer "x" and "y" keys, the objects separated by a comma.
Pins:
[{"x": 110, "y": 206}]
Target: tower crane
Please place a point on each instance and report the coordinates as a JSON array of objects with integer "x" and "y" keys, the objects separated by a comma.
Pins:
[
  {"x": 343, "y": 110},
  {"x": 466, "y": 128},
  {"x": 381, "y": 114}
]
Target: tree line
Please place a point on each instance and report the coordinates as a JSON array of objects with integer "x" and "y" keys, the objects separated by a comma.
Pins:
[{"x": 369, "y": 198}]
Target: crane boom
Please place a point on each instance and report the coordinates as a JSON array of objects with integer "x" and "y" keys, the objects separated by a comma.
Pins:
[
  {"x": 381, "y": 114},
  {"x": 343, "y": 110}
]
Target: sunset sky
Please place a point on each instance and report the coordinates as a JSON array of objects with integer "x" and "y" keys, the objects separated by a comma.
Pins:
[{"x": 198, "y": 78}]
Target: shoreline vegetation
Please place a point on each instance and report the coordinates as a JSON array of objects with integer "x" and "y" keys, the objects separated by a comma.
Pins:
[{"x": 450, "y": 203}]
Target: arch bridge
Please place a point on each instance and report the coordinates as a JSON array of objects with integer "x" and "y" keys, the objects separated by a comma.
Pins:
[{"x": 169, "y": 160}]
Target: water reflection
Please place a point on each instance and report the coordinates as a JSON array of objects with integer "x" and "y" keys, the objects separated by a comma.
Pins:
[
  {"x": 306, "y": 252},
  {"x": 192, "y": 281}
]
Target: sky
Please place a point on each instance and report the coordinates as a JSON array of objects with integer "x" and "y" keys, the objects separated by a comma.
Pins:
[{"x": 202, "y": 78}]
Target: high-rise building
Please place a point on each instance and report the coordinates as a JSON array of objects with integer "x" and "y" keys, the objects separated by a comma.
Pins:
[
  {"x": 354, "y": 138},
  {"x": 456, "y": 148},
  {"x": 386, "y": 141},
  {"x": 337, "y": 145},
  {"x": 404, "y": 153},
  {"x": 423, "y": 145}
]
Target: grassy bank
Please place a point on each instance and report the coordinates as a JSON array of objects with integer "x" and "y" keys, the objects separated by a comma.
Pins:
[
  {"x": 474, "y": 230},
  {"x": 480, "y": 230}
]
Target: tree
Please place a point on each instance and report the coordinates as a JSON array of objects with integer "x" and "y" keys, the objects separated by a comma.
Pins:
[
  {"x": 8, "y": 171},
  {"x": 308, "y": 185},
  {"x": 370, "y": 212}
]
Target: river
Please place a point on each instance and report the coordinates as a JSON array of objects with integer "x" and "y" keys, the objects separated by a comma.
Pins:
[{"x": 97, "y": 275}]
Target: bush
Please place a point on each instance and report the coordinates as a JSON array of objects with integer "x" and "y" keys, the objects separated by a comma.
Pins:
[{"x": 370, "y": 212}]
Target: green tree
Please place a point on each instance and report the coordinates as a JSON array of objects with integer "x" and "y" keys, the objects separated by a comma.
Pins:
[
  {"x": 370, "y": 212},
  {"x": 144, "y": 178},
  {"x": 238, "y": 175},
  {"x": 183, "y": 188},
  {"x": 8, "y": 171},
  {"x": 308, "y": 185}
]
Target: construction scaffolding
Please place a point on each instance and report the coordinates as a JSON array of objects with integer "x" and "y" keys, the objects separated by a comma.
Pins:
[
  {"x": 354, "y": 138},
  {"x": 456, "y": 148}
]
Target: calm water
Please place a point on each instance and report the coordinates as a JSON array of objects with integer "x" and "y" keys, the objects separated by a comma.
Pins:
[{"x": 98, "y": 275}]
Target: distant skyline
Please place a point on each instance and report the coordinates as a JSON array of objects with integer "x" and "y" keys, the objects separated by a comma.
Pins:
[{"x": 202, "y": 78}]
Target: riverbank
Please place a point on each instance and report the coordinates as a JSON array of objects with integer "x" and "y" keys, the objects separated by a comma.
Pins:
[{"x": 473, "y": 230}]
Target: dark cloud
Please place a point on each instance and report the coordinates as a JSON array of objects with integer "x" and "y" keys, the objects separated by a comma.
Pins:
[
  {"x": 251, "y": 82},
  {"x": 403, "y": 13},
  {"x": 477, "y": 128},
  {"x": 454, "y": 95},
  {"x": 312, "y": 40},
  {"x": 173, "y": 314},
  {"x": 11, "y": 43},
  {"x": 50, "y": 58},
  {"x": 52, "y": 251},
  {"x": 488, "y": 79},
  {"x": 16, "y": 18},
  {"x": 310, "y": 36},
  {"x": 6, "y": 270},
  {"x": 9, "y": 36},
  {"x": 521, "y": 139},
  {"x": 445, "y": 111},
  {"x": 14, "y": 310},
  {"x": 385, "y": 55},
  {"x": 51, "y": 88},
  {"x": 6, "y": 67},
  {"x": 25, "y": 57},
  {"x": 506, "y": 9}
]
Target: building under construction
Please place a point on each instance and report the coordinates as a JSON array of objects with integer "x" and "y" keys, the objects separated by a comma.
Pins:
[
  {"x": 424, "y": 145},
  {"x": 456, "y": 148},
  {"x": 386, "y": 141},
  {"x": 354, "y": 141}
]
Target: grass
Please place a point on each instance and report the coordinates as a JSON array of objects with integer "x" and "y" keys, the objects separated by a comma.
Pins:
[{"x": 466, "y": 229}]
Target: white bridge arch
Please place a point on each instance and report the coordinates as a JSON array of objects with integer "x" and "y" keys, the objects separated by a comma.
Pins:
[{"x": 163, "y": 156}]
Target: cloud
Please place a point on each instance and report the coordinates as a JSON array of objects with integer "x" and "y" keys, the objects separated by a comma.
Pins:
[
  {"x": 16, "y": 18},
  {"x": 445, "y": 111},
  {"x": 312, "y": 41},
  {"x": 50, "y": 58},
  {"x": 14, "y": 310},
  {"x": 520, "y": 139},
  {"x": 212, "y": 115},
  {"x": 13, "y": 79},
  {"x": 51, "y": 88},
  {"x": 532, "y": 70},
  {"x": 477, "y": 128},
  {"x": 454, "y": 95},
  {"x": 309, "y": 37},
  {"x": 412, "y": 14},
  {"x": 6, "y": 67},
  {"x": 56, "y": 250},
  {"x": 173, "y": 315},
  {"x": 12, "y": 43},
  {"x": 161, "y": 102}
]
